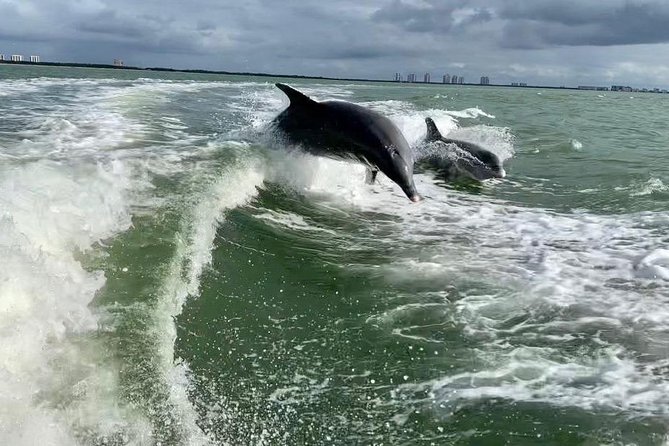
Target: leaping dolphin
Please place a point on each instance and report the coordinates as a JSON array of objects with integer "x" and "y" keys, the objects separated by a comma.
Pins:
[
  {"x": 342, "y": 130},
  {"x": 462, "y": 159}
]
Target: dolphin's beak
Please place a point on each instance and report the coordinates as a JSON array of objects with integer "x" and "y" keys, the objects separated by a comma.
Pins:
[{"x": 412, "y": 193}]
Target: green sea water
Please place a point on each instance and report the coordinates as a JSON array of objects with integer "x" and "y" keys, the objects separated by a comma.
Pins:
[{"x": 169, "y": 276}]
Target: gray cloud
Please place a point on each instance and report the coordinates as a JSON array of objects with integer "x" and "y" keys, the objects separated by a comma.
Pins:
[
  {"x": 540, "y": 41},
  {"x": 435, "y": 17},
  {"x": 112, "y": 24},
  {"x": 575, "y": 23},
  {"x": 538, "y": 23}
]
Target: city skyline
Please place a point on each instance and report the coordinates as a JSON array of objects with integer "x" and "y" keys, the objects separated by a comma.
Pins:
[
  {"x": 582, "y": 42},
  {"x": 398, "y": 77},
  {"x": 447, "y": 78},
  {"x": 19, "y": 58}
]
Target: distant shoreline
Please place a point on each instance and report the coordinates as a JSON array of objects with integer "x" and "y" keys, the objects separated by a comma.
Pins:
[{"x": 283, "y": 76}]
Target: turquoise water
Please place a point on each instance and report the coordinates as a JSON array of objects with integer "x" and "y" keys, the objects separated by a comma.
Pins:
[{"x": 170, "y": 277}]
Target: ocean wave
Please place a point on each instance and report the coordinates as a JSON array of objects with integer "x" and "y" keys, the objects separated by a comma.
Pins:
[
  {"x": 652, "y": 186},
  {"x": 48, "y": 213}
]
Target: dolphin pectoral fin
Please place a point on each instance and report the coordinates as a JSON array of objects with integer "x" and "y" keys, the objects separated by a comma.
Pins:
[
  {"x": 433, "y": 133},
  {"x": 370, "y": 176},
  {"x": 295, "y": 96}
]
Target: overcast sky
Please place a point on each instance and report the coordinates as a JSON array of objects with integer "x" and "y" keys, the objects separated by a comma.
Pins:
[{"x": 552, "y": 42}]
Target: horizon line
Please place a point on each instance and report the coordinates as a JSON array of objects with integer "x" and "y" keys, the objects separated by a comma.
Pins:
[{"x": 296, "y": 76}]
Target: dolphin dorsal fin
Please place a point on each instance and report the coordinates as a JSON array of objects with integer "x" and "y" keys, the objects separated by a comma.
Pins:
[
  {"x": 433, "y": 133},
  {"x": 295, "y": 96}
]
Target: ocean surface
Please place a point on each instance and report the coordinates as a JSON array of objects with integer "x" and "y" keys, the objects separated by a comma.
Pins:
[{"x": 168, "y": 276}]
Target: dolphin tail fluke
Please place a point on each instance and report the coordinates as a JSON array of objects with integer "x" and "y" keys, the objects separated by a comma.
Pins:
[
  {"x": 433, "y": 133},
  {"x": 295, "y": 96}
]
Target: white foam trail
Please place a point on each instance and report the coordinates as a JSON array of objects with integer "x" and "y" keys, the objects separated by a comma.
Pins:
[
  {"x": 586, "y": 271},
  {"x": 608, "y": 382},
  {"x": 236, "y": 186},
  {"x": 654, "y": 265},
  {"x": 472, "y": 112},
  {"x": 48, "y": 212},
  {"x": 411, "y": 122},
  {"x": 498, "y": 140},
  {"x": 652, "y": 186},
  {"x": 328, "y": 179},
  {"x": 291, "y": 221},
  {"x": 83, "y": 126},
  {"x": 80, "y": 134},
  {"x": 72, "y": 187}
]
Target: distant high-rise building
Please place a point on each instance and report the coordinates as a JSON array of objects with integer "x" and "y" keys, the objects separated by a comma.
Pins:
[
  {"x": 446, "y": 79},
  {"x": 17, "y": 58},
  {"x": 485, "y": 80},
  {"x": 398, "y": 77},
  {"x": 118, "y": 63},
  {"x": 411, "y": 77},
  {"x": 426, "y": 78},
  {"x": 461, "y": 80},
  {"x": 454, "y": 79},
  {"x": 34, "y": 59},
  {"x": 2, "y": 57}
]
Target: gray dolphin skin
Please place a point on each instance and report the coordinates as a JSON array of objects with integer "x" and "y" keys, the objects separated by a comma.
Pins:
[
  {"x": 342, "y": 130},
  {"x": 466, "y": 159}
]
